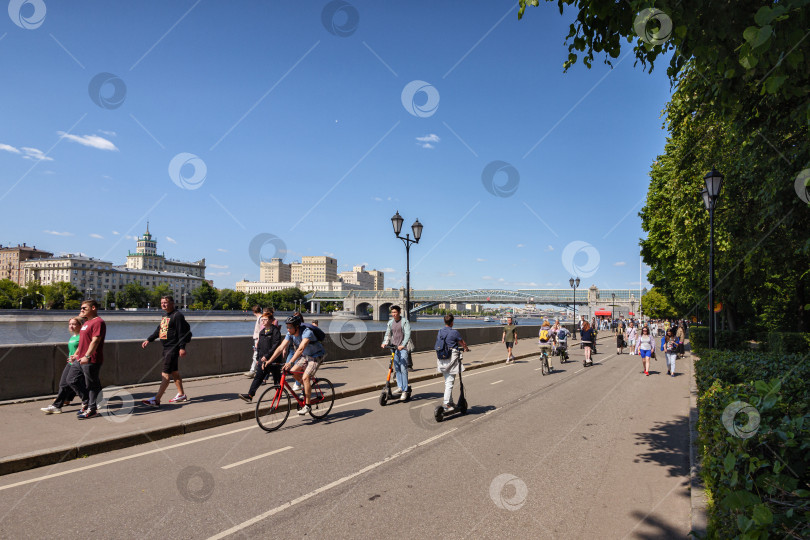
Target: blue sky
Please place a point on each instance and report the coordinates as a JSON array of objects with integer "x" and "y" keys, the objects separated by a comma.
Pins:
[{"x": 304, "y": 135}]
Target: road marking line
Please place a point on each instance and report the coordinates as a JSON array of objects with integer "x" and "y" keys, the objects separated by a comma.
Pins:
[
  {"x": 496, "y": 382},
  {"x": 583, "y": 369},
  {"x": 125, "y": 458},
  {"x": 422, "y": 405},
  {"x": 538, "y": 369},
  {"x": 327, "y": 487},
  {"x": 248, "y": 460}
]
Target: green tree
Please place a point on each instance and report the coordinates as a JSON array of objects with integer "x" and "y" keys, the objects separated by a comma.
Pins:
[
  {"x": 10, "y": 294},
  {"x": 656, "y": 305},
  {"x": 109, "y": 300},
  {"x": 229, "y": 299},
  {"x": 134, "y": 295},
  {"x": 158, "y": 292},
  {"x": 62, "y": 295},
  {"x": 204, "y": 297}
]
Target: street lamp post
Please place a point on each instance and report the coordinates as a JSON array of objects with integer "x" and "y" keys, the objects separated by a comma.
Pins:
[
  {"x": 633, "y": 306},
  {"x": 714, "y": 183},
  {"x": 397, "y": 221},
  {"x": 574, "y": 284},
  {"x": 612, "y": 309}
]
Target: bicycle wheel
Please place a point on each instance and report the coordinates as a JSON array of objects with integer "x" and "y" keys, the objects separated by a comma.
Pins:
[
  {"x": 323, "y": 397},
  {"x": 268, "y": 416},
  {"x": 544, "y": 365}
]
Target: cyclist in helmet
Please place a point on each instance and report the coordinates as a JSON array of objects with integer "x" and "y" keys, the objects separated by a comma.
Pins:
[{"x": 306, "y": 358}]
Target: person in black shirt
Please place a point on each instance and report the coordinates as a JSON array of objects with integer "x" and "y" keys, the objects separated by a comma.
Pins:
[
  {"x": 269, "y": 340},
  {"x": 173, "y": 332}
]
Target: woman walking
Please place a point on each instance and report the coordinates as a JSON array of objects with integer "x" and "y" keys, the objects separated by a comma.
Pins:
[
  {"x": 72, "y": 369},
  {"x": 620, "y": 337},
  {"x": 632, "y": 333},
  {"x": 671, "y": 351},
  {"x": 644, "y": 347}
]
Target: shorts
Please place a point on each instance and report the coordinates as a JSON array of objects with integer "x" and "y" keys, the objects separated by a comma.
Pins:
[
  {"x": 645, "y": 353},
  {"x": 308, "y": 364},
  {"x": 510, "y": 344},
  {"x": 545, "y": 346},
  {"x": 171, "y": 359}
]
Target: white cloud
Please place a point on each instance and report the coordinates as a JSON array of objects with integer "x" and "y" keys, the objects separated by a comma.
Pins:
[
  {"x": 93, "y": 141},
  {"x": 219, "y": 274},
  {"x": 520, "y": 245},
  {"x": 486, "y": 277},
  {"x": 57, "y": 233},
  {"x": 35, "y": 154},
  {"x": 329, "y": 254},
  {"x": 129, "y": 237},
  {"x": 378, "y": 199},
  {"x": 549, "y": 248},
  {"x": 388, "y": 270},
  {"x": 116, "y": 233},
  {"x": 222, "y": 250},
  {"x": 220, "y": 266},
  {"x": 429, "y": 138},
  {"x": 620, "y": 263},
  {"x": 449, "y": 274},
  {"x": 9, "y": 148},
  {"x": 637, "y": 284},
  {"x": 171, "y": 240},
  {"x": 427, "y": 145},
  {"x": 94, "y": 235},
  {"x": 501, "y": 280},
  {"x": 108, "y": 133}
]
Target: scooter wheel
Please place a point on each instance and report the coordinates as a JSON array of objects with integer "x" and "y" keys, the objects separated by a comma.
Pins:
[
  {"x": 383, "y": 398},
  {"x": 462, "y": 406},
  {"x": 438, "y": 413}
]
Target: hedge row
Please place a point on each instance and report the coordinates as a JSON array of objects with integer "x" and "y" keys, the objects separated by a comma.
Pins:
[
  {"x": 738, "y": 340},
  {"x": 754, "y": 438}
]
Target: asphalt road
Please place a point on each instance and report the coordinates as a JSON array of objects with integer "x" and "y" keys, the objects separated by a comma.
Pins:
[{"x": 600, "y": 452}]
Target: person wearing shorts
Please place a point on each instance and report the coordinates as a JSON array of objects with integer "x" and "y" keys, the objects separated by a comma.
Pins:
[
  {"x": 644, "y": 347},
  {"x": 631, "y": 335},
  {"x": 545, "y": 346},
  {"x": 174, "y": 333},
  {"x": 509, "y": 337},
  {"x": 306, "y": 359}
]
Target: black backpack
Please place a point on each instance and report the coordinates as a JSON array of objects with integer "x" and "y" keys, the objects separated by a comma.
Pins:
[
  {"x": 320, "y": 335},
  {"x": 443, "y": 351}
]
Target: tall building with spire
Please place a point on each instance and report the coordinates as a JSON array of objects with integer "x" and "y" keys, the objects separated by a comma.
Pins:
[{"x": 146, "y": 257}]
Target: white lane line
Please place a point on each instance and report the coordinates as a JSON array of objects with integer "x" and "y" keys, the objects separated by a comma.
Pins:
[
  {"x": 496, "y": 382},
  {"x": 327, "y": 487},
  {"x": 538, "y": 369},
  {"x": 583, "y": 369},
  {"x": 125, "y": 458},
  {"x": 248, "y": 460},
  {"x": 422, "y": 405}
]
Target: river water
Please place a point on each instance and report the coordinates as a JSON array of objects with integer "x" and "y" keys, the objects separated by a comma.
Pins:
[{"x": 57, "y": 332}]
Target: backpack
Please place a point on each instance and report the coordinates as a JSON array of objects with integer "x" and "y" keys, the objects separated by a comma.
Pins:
[
  {"x": 544, "y": 334},
  {"x": 320, "y": 335},
  {"x": 443, "y": 351}
]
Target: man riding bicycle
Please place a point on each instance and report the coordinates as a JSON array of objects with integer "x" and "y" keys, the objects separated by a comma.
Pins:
[
  {"x": 562, "y": 343},
  {"x": 546, "y": 342},
  {"x": 305, "y": 360}
]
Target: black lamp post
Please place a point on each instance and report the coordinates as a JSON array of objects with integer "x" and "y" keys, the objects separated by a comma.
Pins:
[
  {"x": 612, "y": 309},
  {"x": 633, "y": 306},
  {"x": 714, "y": 182},
  {"x": 574, "y": 284},
  {"x": 397, "y": 221}
]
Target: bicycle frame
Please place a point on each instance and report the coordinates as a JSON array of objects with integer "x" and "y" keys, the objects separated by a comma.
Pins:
[{"x": 283, "y": 383}]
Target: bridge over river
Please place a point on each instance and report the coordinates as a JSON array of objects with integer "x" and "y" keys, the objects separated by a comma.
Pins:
[{"x": 590, "y": 300}]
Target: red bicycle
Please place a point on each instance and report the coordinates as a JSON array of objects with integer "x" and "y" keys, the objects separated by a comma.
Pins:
[{"x": 275, "y": 403}]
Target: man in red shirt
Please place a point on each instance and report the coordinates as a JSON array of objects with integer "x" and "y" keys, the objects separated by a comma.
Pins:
[{"x": 91, "y": 355}]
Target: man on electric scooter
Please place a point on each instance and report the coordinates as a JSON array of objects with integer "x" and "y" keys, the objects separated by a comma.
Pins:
[
  {"x": 451, "y": 366},
  {"x": 398, "y": 334}
]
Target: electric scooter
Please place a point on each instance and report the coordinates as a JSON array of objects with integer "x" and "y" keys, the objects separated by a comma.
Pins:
[
  {"x": 562, "y": 350},
  {"x": 390, "y": 382},
  {"x": 461, "y": 405}
]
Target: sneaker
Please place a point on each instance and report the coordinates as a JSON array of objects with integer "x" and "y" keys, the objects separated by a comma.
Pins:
[
  {"x": 397, "y": 391},
  {"x": 647, "y": 373},
  {"x": 90, "y": 413},
  {"x": 82, "y": 410},
  {"x": 297, "y": 386},
  {"x": 151, "y": 403},
  {"x": 247, "y": 398},
  {"x": 449, "y": 407},
  {"x": 50, "y": 409},
  {"x": 403, "y": 396},
  {"x": 179, "y": 398},
  {"x": 667, "y": 372},
  {"x": 250, "y": 374},
  {"x": 303, "y": 410}
]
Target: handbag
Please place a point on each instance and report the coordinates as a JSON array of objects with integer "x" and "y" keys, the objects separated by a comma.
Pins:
[{"x": 409, "y": 347}]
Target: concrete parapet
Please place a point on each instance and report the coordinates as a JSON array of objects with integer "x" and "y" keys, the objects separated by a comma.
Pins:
[{"x": 35, "y": 370}]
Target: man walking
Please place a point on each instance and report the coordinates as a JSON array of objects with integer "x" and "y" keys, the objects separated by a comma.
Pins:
[
  {"x": 397, "y": 335},
  {"x": 173, "y": 332},
  {"x": 509, "y": 338},
  {"x": 91, "y": 355}
]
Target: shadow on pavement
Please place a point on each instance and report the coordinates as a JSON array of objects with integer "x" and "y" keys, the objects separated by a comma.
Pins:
[
  {"x": 344, "y": 415},
  {"x": 661, "y": 529},
  {"x": 667, "y": 444}
]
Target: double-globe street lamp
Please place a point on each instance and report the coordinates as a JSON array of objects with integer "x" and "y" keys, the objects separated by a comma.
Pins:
[
  {"x": 612, "y": 309},
  {"x": 574, "y": 284},
  {"x": 397, "y": 221},
  {"x": 714, "y": 182}
]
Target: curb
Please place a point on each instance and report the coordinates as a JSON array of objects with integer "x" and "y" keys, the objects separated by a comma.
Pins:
[
  {"x": 53, "y": 456},
  {"x": 697, "y": 490}
]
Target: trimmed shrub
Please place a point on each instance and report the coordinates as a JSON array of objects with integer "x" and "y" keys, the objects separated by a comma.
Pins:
[
  {"x": 754, "y": 439},
  {"x": 788, "y": 342}
]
